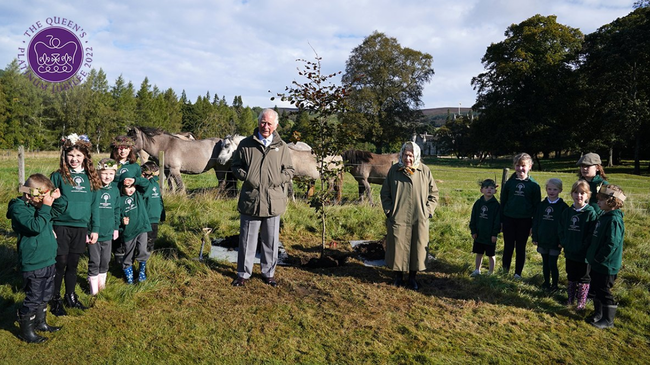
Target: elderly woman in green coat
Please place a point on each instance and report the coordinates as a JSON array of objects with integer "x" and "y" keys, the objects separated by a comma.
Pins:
[{"x": 409, "y": 197}]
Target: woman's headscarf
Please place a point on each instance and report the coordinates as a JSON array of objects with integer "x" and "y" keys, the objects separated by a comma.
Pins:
[{"x": 416, "y": 157}]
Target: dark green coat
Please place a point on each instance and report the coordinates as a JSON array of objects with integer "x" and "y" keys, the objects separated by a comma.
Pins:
[
  {"x": 37, "y": 244},
  {"x": 575, "y": 231},
  {"x": 485, "y": 220},
  {"x": 153, "y": 200},
  {"x": 109, "y": 211},
  {"x": 605, "y": 253},
  {"x": 135, "y": 208},
  {"x": 265, "y": 171},
  {"x": 520, "y": 198},
  {"x": 546, "y": 223},
  {"x": 83, "y": 202}
]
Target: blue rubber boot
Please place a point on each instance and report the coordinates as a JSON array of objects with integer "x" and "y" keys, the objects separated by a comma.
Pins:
[
  {"x": 128, "y": 274},
  {"x": 142, "y": 275}
]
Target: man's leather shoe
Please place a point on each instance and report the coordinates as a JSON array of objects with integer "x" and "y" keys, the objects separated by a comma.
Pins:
[
  {"x": 271, "y": 282},
  {"x": 239, "y": 281}
]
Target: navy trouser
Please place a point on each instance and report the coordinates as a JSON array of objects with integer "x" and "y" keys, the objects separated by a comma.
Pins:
[{"x": 38, "y": 286}]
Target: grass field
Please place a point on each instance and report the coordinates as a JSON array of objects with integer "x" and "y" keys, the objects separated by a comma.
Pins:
[{"x": 187, "y": 312}]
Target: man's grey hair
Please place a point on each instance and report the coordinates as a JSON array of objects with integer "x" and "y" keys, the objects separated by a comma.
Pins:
[{"x": 269, "y": 111}]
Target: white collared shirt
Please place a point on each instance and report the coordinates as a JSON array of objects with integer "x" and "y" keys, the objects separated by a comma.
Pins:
[{"x": 265, "y": 141}]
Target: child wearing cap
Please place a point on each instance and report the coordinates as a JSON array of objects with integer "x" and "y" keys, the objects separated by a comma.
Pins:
[
  {"x": 545, "y": 232},
  {"x": 484, "y": 225},
  {"x": 575, "y": 229},
  {"x": 605, "y": 254},
  {"x": 591, "y": 170},
  {"x": 99, "y": 254},
  {"x": 31, "y": 219},
  {"x": 154, "y": 202}
]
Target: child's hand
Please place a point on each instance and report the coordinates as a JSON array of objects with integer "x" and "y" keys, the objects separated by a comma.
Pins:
[
  {"x": 56, "y": 194},
  {"x": 128, "y": 181},
  {"x": 494, "y": 239},
  {"x": 92, "y": 239},
  {"x": 474, "y": 235},
  {"x": 48, "y": 200},
  {"x": 125, "y": 221},
  {"x": 116, "y": 234}
]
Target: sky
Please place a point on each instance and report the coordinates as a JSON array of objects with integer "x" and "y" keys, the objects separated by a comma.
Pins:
[{"x": 249, "y": 47}]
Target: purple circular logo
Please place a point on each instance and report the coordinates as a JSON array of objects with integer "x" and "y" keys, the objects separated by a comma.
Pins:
[{"x": 55, "y": 54}]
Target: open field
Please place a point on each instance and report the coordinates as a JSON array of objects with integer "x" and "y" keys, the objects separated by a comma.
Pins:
[{"x": 187, "y": 312}]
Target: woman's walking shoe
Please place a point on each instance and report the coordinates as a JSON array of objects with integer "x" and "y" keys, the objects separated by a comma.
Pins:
[
  {"x": 56, "y": 306},
  {"x": 93, "y": 282},
  {"x": 72, "y": 301},
  {"x": 571, "y": 292},
  {"x": 40, "y": 323},
  {"x": 128, "y": 274},
  {"x": 581, "y": 294},
  {"x": 27, "y": 333},
  {"x": 142, "y": 272},
  {"x": 607, "y": 320}
]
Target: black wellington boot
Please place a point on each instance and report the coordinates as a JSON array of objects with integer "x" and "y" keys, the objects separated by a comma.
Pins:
[
  {"x": 598, "y": 312},
  {"x": 41, "y": 323},
  {"x": 27, "y": 333},
  {"x": 609, "y": 312},
  {"x": 72, "y": 301},
  {"x": 56, "y": 306}
]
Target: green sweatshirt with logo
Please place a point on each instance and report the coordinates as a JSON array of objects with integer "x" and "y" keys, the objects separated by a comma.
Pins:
[
  {"x": 605, "y": 253},
  {"x": 574, "y": 231}
]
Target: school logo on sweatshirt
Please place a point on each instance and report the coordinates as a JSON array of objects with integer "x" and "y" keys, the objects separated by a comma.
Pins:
[
  {"x": 549, "y": 214},
  {"x": 575, "y": 224},
  {"x": 155, "y": 193},
  {"x": 105, "y": 202},
  {"x": 78, "y": 184},
  {"x": 123, "y": 170},
  {"x": 129, "y": 204},
  {"x": 520, "y": 189},
  {"x": 484, "y": 212}
]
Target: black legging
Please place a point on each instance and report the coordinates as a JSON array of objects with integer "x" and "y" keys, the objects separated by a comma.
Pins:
[
  {"x": 66, "y": 266},
  {"x": 515, "y": 235},
  {"x": 549, "y": 268}
]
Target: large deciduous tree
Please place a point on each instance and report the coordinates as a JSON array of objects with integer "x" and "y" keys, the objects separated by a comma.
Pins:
[
  {"x": 524, "y": 94},
  {"x": 385, "y": 82},
  {"x": 616, "y": 70}
]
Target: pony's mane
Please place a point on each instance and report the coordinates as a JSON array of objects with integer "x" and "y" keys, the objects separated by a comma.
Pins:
[{"x": 356, "y": 156}]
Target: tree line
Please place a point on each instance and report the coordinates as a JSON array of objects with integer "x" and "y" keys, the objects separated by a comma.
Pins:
[{"x": 547, "y": 88}]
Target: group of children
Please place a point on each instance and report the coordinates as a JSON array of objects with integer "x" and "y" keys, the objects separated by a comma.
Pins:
[
  {"x": 590, "y": 231},
  {"x": 117, "y": 203}
]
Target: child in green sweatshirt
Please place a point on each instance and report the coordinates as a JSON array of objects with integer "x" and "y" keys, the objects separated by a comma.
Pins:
[{"x": 485, "y": 225}]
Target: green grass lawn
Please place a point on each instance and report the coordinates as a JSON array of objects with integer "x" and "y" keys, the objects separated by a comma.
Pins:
[{"x": 187, "y": 312}]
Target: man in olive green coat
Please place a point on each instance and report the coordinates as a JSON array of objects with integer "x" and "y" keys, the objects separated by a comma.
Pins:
[
  {"x": 409, "y": 197},
  {"x": 262, "y": 161}
]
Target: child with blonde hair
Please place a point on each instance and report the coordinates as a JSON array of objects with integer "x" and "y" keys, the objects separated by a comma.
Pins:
[
  {"x": 520, "y": 197},
  {"x": 545, "y": 232},
  {"x": 99, "y": 254},
  {"x": 574, "y": 231}
]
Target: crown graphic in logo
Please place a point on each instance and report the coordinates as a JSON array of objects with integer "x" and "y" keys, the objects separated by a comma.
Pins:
[
  {"x": 55, "y": 58},
  {"x": 55, "y": 54}
]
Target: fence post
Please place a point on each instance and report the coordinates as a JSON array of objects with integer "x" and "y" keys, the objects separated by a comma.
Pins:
[
  {"x": 161, "y": 169},
  {"x": 504, "y": 176},
  {"x": 21, "y": 165}
]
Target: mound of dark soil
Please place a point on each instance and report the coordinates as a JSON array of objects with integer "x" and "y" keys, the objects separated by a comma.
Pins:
[{"x": 375, "y": 250}]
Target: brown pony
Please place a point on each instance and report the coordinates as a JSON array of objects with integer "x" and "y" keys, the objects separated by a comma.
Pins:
[
  {"x": 368, "y": 167},
  {"x": 184, "y": 156}
]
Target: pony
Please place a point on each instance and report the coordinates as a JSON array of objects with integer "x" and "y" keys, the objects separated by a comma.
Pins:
[
  {"x": 367, "y": 168},
  {"x": 144, "y": 156},
  {"x": 302, "y": 159},
  {"x": 185, "y": 156}
]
